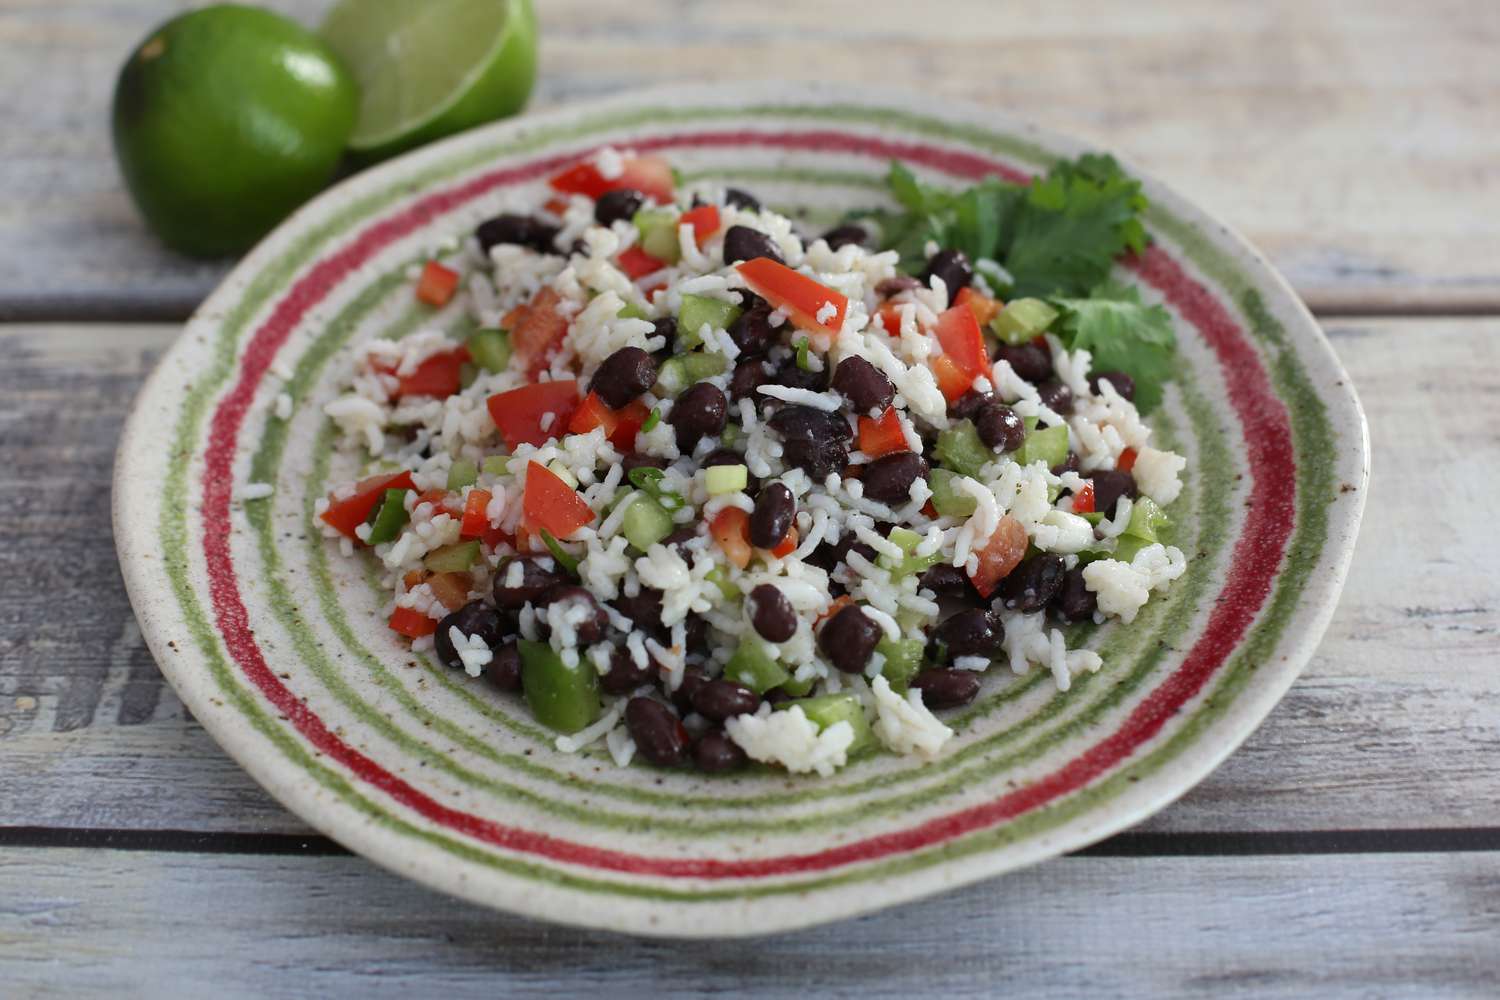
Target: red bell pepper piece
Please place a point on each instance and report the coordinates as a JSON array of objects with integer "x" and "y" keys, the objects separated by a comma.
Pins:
[
  {"x": 731, "y": 530},
  {"x": 629, "y": 420},
  {"x": 958, "y": 331},
  {"x": 882, "y": 435},
  {"x": 787, "y": 545},
  {"x": 475, "y": 521},
  {"x": 412, "y": 623},
  {"x": 650, "y": 175},
  {"x": 637, "y": 263},
  {"x": 1001, "y": 554},
  {"x": 983, "y": 307},
  {"x": 437, "y": 284},
  {"x": 1083, "y": 500},
  {"x": 890, "y": 317},
  {"x": 802, "y": 297},
  {"x": 352, "y": 511},
  {"x": 705, "y": 222},
  {"x": 619, "y": 425},
  {"x": 550, "y": 503},
  {"x": 537, "y": 330},
  {"x": 440, "y": 375},
  {"x": 1126, "y": 461},
  {"x": 519, "y": 412},
  {"x": 950, "y": 379}
]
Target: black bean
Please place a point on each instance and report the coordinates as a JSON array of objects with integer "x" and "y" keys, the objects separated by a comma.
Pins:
[
  {"x": 776, "y": 697},
  {"x": 947, "y": 580},
  {"x": 744, "y": 243},
  {"x": 1031, "y": 586},
  {"x": 474, "y": 618},
  {"x": 504, "y": 668},
  {"x": 946, "y": 688},
  {"x": 1109, "y": 487},
  {"x": 828, "y": 555},
  {"x": 752, "y": 331},
  {"x": 772, "y": 517},
  {"x": 814, "y": 441},
  {"x": 1000, "y": 427},
  {"x": 1122, "y": 383},
  {"x": 695, "y": 629},
  {"x": 623, "y": 376},
  {"x": 680, "y": 536},
  {"x": 699, "y": 412},
  {"x": 974, "y": 632},
  {"x": 953, "y": 267},
  {"x": 624, "y": 675},
  {"x": 848, "y": 639},
  {"x": 888, "y": 479},
  {"x": 643, "y": 610},
  {"x": 619, "y": 205},
  {"x": 865, "y": 387},
  {"x": 535, "y": 581},
  {"x": 748, "y": 376},
  {"x": 658, "y": 733},
  {"x": 967, "y": 406},
  {"x": 666, "y": 329},
  {"x": 692, "y": 679},
  {"x": 1030, "y": 361},
  {"x": 722, "y": 456},
  {"x": 889, "y": 287},
  {"x": 594, "y": 624},
  {"x": 1056, "y": 396},
  {"x": 840, "y": 236},
  {"x": 771, "y": 613},
  {"x": 741, "y": 199},
  {"x": 723, "y": 699},
  {"x": 1074, "y": 601},
  {"x": 794, "y": 377},
  {"x": 522, "y": 230},
  {"x": 641, "y": 460},
  {"x": 715, "y": 752},
  {"x": 1069, "y": 464}
]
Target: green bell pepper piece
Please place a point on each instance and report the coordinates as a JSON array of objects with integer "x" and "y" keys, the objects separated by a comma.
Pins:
[
  {"x": 945, "y": 499},
  {"x": 453, "y": 558},
  {"x": 720, "y": 578},
  {"x": 1048, "y": 445},
  {"x": 561, "y": 697},
  {"x": 903, "y": 658},
  {"x": 658, "y": 229},
  {"x": 699, "y": 309},
  {"x": 908, "y": 564},
  {"x": 960, "y": 449},
  {"x": 752, "y": 666},
  {"x": 682, "y": 370},
  {"x": 1022, "y": 320},
  {"x": 490, "y": 349},
  {"x": 462, "y": 473},
  {"x": 1147, "y": 520},
  {"x": 389, "y": 518},
  {"x": 828, "y": 709},
  {"x": 645, "y": 522},
  {"x": 496, "y": 465}
]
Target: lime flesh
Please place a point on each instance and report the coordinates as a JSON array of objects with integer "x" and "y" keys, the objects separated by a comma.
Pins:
[
  {"x": 225, "y": 119},
  {"x": 426, "y": 70}
]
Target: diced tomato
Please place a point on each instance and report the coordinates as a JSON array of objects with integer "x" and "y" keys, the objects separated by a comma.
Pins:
[
  {"x": 958, "y": 331},
  {"x": 1001, "y": 554},
  {"x": 705, "y": 222},
  {"x": 1083, "y": 500},
  {"x": 527, "y": 539},
  {"x": 731, "y": 530},
  {"x": 839, "y": 604},
  {"x": 519, "y": 412},
  {"x": 890, "y": 317},
  {"x": 637, "y": 263},
  {"x": 983, "y": 307},
  {"x": 592, "y": 413},
  {"x": 550, "y": 503},
  {"x": 882, "y": 435},
  {"x": 650, "y": 293},
  {"x": 437, "y": 284},
  {"x": 1126, "y": 461},
  {"x": 475, "y": 521},
  {"x": 414, "y": 577},
  {"x": 630, "y": 419},
  {"x": 440, "y": 375},
  {"x": 438, "y": 499},
  {"x": 953, "y": 382},
  {"x": 451, "y": 589},
  {"x": 787, "y": 545},
  {"x": 802, "y": 297},
  {"x": 929, "y": 509},
  {"x": 557, "y": 206},
  {"x": 347, "y": 514},
  {"x": 650, "y": 175},
  {"x": 537, "y": 332},
  {"x": 412, "y": 623}
]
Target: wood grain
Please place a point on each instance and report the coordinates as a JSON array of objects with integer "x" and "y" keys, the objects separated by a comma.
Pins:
[
  {"x": 1395, "y": 723},
  {"x": 79, "y": 923},
  {"x": 1354, "y": 142}
]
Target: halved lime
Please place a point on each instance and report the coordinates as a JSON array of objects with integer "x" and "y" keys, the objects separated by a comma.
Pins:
[{"x": 429, "y": 69}]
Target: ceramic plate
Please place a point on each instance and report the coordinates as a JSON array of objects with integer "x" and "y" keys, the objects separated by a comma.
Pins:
[{"x": 275, "y": 642}]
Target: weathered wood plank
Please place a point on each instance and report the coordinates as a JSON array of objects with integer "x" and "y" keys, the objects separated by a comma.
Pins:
[
  {"x": 1355, "y": 144},
  {"x": 1393, "y": 725},
  {"x": 112, "y": 923}
]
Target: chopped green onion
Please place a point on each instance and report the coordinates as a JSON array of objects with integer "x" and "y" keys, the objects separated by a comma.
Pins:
[
  {"x": 648, "y": 480},
  {"x": 564, "y": 559},
  {"x": 462, "y": 473},
  {"x": 721, "y": 479},
  {"x": 1022, "y": 320},
  {"x": 804, "y": 354},
  {"x": 652, "y": 419}
]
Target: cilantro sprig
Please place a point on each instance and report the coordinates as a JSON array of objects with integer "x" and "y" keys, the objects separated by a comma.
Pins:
[{"x": 1123, "y": 334}]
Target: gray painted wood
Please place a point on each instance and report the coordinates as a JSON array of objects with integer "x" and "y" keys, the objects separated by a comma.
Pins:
[
  {"x": 1355, "y": 143},
  {"x": 110, "y": 923},
  {"x": 1395, "y": 723}
]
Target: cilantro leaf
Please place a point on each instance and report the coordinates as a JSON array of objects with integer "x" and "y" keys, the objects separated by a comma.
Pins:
[
  {"x": 972, "y": 220},
  {"x": 1072, "y": 226},
  {"x": 1122, "y": 334}
]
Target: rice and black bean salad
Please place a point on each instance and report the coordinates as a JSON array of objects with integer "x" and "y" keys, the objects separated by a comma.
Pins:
[{"x": 709, "y": 490}]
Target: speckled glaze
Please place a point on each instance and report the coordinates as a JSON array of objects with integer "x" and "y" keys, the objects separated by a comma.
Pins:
[{"x": 274, "y": 641}]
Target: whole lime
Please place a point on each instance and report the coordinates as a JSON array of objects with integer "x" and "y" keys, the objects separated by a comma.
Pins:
[{"x": 225, "y": 120}]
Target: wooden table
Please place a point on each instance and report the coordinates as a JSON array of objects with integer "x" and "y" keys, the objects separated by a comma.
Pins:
[{"x": 1351, "y": 848}]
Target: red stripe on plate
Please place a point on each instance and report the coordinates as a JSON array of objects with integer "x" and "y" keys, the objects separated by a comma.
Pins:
[{"x": 1257, "y": 554}]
